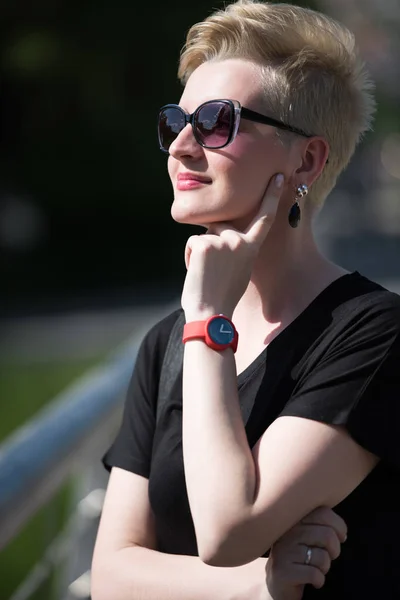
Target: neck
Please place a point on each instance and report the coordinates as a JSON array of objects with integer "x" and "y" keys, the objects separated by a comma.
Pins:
[{"x": 288, "y": 274}]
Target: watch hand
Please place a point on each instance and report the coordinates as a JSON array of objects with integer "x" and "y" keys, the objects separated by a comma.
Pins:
[{"x": 222, "y": 330}]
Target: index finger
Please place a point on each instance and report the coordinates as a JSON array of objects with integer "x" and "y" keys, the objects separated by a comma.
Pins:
[
  {"x": 259, "y": 226},
  {"x": 326, "y": 516}
]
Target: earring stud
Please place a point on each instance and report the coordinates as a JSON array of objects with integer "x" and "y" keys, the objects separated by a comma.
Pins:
[
  {"x": 295, "y": 211},
  {"x": 302, "y": 190}
]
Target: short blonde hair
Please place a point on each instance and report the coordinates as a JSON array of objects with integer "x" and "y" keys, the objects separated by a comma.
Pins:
[{"x": 313, "y": 76}]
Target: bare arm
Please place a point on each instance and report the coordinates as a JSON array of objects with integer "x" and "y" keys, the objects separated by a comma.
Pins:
[
  {"x": 127, "y": 566},
  {"x": 242, "y": 501},
  {"x": 298, "y": 465}
]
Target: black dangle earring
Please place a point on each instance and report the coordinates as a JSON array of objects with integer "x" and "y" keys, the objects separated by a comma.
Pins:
[{"x": 295, "y": 212}]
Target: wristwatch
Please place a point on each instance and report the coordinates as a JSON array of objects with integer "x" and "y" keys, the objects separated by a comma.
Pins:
[{"x": 218, "y": 332}]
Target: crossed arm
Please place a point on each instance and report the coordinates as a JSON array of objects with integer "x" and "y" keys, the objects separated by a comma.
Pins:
[
  {"x": 128, "y": 566},
  {"x": 242, "y": 501}
]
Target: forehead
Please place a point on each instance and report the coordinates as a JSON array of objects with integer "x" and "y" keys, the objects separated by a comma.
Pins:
[{"x": 233, "y": 79}]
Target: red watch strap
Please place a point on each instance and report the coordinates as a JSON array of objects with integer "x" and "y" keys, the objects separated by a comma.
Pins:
[
  {"x": 194, "y": 329},
  {"x": 199, "y": 330}
]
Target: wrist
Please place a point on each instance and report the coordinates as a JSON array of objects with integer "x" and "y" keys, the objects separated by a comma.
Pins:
[
  {"x": 202, "y": 314},
  {"x": 198, "y": 315}
]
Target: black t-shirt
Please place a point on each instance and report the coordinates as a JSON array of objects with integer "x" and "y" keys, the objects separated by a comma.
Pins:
[{"x": 338, "y": 362}]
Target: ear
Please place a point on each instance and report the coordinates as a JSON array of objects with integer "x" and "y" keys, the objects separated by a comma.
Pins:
[{"x": 315, "y": 154}]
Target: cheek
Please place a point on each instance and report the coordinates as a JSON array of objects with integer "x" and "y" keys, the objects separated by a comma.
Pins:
[
  {"x": 172, "y": 168},
  {"x": 250, "y": 166}
]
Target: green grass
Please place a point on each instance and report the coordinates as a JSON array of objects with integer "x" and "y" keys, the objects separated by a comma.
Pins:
[
  {"x": 29, "y": 546},
  {"x": 24, "y": 389}
]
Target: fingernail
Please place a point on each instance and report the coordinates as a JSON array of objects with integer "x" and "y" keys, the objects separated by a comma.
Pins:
[{"x": 279, "y": 179}]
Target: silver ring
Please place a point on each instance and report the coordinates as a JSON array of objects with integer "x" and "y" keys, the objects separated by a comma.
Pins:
[{"x": 308, "y": 556}]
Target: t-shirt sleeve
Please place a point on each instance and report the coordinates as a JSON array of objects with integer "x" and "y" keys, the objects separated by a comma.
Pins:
[
  {"x": 132, "y": 447},
  {"x": 357, "y": 384}
]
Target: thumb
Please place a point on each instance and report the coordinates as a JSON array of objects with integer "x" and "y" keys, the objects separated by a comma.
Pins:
[
  {"x": 188, "y": 249},
  {"x": 188, "y": 252}
]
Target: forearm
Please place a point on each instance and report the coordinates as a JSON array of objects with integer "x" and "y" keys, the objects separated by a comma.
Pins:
[
  {"x": 138, "y": 573},
  {"x": 219, "y": 467}
]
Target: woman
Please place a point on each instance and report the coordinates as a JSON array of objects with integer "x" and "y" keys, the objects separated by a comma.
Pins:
[{"x": 289, "y": 398}]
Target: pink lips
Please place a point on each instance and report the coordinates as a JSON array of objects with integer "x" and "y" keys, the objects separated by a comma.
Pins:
[{"x": 191, "y": 181}]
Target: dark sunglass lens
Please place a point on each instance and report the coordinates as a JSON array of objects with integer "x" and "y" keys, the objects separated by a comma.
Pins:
[
  {"x": 214, "y": 124},
  {"x": 171, "y": 121}
]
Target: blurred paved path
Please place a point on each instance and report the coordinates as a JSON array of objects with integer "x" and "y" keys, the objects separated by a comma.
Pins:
[{"x": 74, "y": 335}]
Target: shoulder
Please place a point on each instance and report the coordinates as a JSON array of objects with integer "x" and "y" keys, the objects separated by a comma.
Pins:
[
  {"x": 160, "y": 331},
  {"x": 150, "y": 356},
  {"x": 355, "y": 321},
  {"x": 155, "y": 341},
  {"x": 362, "y": 302}
]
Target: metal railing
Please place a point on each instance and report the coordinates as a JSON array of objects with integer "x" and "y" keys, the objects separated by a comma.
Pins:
[{"x": 66, "y": 440}]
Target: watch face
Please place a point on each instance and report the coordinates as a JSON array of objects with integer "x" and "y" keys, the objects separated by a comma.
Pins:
[{"x": 221, "y": 331}]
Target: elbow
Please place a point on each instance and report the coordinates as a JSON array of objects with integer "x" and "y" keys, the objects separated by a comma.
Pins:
[
  {"x": 98, "y": 584},
  {"x": 233, "y": 544},
  {"x": 220, "y": 556},
  {"x": 229, "y": 550},
  {"x": 218, "y": 559},
  {"x": 97, "y": 591},
  {"x": 103, "y": 585},
  {"x": 115, "y": 575}
]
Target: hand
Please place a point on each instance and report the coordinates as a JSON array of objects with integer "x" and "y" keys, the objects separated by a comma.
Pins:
[
  {"x": 219, "y": 263},
  {"x": 322, "y": 531}
]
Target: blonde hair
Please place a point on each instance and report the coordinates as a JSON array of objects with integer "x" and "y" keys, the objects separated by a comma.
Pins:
[{"x": 313, "y": 77}]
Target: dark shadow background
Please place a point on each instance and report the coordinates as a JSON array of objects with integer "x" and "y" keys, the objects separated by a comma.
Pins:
[{"x": 84, "y": 192}]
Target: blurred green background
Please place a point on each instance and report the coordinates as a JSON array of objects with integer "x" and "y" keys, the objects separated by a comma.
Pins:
[{"x": 85, "y": 230}]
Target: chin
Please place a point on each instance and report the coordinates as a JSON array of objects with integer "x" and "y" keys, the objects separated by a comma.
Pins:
[
  {"x": 190, "y": 218},
  {"x": 197, "y": 209},
  {"x": 205, "y": 219},
  {"x": 191, "y": 212}
]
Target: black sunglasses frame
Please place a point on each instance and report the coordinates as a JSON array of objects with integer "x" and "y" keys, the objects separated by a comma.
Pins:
[{"x": 237, "y": 112}]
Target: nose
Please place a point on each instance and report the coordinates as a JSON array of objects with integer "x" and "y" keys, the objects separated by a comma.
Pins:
[{"x": 185, "y": 145}]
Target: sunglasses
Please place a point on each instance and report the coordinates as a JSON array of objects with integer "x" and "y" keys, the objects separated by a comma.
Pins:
[{"x": 215, "y": 123}]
